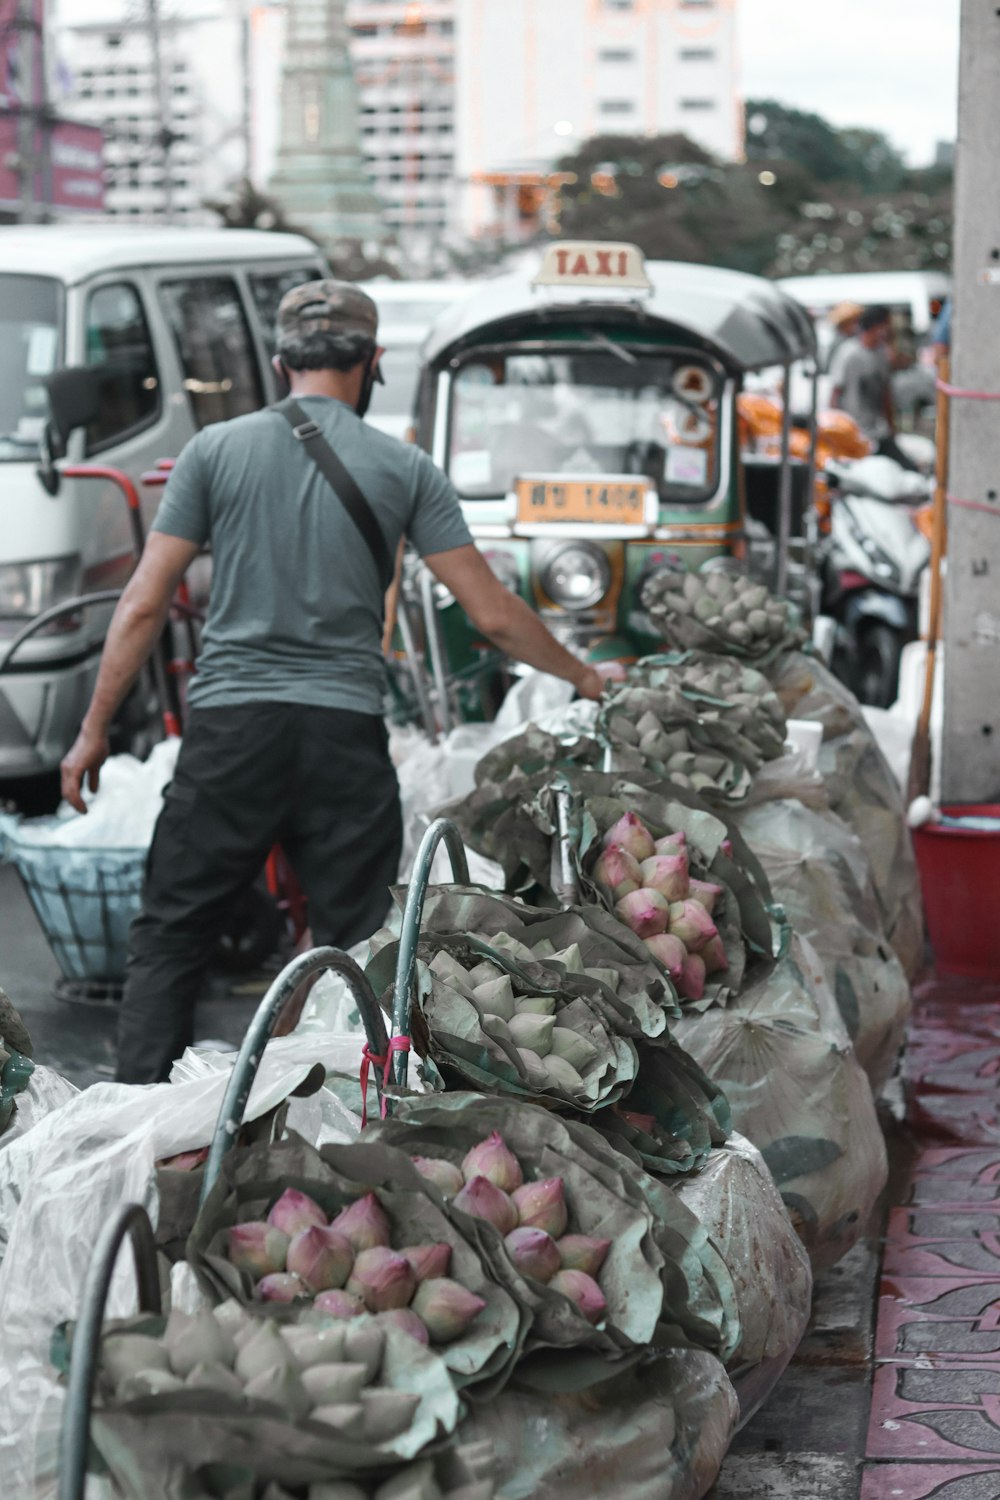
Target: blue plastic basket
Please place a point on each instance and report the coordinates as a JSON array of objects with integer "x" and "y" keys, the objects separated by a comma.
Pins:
[{"x": 85, "y": 900}]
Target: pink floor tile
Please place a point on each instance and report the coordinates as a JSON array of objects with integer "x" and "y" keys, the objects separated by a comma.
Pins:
[
  {"x": 945, "y": 1317},
  {"x": 942, "y": 1240},
  {"x": 930, "y": 1413},
  {"x": 917, "y": 1481}
]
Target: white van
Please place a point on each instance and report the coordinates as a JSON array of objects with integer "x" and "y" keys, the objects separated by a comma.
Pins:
[
  {"x": 407, "y": 310},
  {"x": 178, "y": 323}
]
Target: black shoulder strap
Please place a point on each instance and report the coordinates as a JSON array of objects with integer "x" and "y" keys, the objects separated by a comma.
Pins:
[{"x": 341, "y": 482}]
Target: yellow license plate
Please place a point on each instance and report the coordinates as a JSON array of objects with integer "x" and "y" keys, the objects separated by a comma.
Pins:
[{"x": 580, "y": 501}]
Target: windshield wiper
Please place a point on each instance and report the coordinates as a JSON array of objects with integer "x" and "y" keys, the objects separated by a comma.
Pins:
[{"x": 601, "y": 338}]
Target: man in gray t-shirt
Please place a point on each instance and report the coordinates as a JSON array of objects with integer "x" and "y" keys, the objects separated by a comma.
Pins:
[
  {"x": 862, "y": 383},
  {"x": 285, "y": 740}
]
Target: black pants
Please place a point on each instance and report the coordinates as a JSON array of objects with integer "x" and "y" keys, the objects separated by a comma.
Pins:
[{"x": 318, "y": 781}]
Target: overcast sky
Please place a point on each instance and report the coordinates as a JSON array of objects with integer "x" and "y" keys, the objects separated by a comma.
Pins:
[{"x": 891, "y": 64}]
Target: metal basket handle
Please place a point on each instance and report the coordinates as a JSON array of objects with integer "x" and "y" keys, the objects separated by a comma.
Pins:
[
  {"x": 440, "y": 831},
  {"x": 261, "y": 1029},
  {"x": 74, "y": 1439}
]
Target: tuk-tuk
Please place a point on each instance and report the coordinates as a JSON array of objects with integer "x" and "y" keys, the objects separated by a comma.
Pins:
[{"x": 586, "y": 414}]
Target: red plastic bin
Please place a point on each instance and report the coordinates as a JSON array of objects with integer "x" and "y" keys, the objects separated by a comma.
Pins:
[{"x": 960, "y": 876}]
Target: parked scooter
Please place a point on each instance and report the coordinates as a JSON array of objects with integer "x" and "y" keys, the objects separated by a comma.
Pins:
[{"x": 871, "y": 582}]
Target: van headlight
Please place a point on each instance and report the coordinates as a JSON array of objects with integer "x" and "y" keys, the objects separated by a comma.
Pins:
[
  {"x": 26, "y": 589},
  {"x": 576, "y": 576}
]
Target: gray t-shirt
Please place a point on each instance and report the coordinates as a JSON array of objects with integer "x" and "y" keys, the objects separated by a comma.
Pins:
[
  {"x": 863, "y": 377},
  {"x": 295, "y": 613}
]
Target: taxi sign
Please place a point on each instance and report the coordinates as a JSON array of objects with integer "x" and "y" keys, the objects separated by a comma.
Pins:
[
  {"x": 594, "y": 263},
  {"x": 586, "y": 502}
]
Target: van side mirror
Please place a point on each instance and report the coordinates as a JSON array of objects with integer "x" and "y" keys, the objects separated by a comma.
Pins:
[{"x": 74, "y": 401}]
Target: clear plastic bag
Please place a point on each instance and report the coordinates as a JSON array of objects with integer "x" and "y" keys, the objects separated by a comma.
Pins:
[{"x": 46, "y": 1090}]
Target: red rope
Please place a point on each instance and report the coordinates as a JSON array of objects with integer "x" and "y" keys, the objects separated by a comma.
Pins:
[
  {"x": 368, "y": 1057},
  {"x": 960, "y": 393},
  {"x": 991, "y": 510}
]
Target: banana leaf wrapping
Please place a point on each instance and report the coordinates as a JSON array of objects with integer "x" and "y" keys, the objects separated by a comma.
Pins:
[
  {"x": 863, "y": 791},
  {"x": 252, "y": 1180},
  {"x": 689, "y": 610},
  {"x": 783, "y": 1057},
  {"x": 154, "y": 1446},
  {"x": 819, "y": 872},
  {"x": 664, "y": 1282}
]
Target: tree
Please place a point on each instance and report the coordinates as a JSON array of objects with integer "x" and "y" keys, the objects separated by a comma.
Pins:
[
  {"x": 246, "y": 207},
  {"x": 863, "y": 157}
]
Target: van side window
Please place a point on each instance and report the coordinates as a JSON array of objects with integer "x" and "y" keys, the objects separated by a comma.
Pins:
[
  {"x": 268, "y": 288},
  {"x": 213, "y": 342},
  {"x": 119, "y": 345}
]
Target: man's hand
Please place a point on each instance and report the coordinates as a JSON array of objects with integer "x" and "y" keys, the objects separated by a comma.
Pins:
[
  {"x": 85, "y": 759},
  {"x": 597, "y": 677}
]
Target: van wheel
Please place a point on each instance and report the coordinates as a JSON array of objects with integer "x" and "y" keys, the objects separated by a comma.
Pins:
[{"x": 879, "y": 652}]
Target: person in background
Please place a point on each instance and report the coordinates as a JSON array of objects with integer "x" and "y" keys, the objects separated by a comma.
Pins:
[
  {"x": 862, "y": 384},
  {"x": 843, "y": 319}
]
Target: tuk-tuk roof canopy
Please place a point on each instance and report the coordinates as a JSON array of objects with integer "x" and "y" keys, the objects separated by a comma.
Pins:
[{"x": 746, "y": 322}]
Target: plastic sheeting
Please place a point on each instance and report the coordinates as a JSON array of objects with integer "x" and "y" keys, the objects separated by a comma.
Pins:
[
  {"x": 46, "y": 1090},
  {"x": 121, "y": 814}
]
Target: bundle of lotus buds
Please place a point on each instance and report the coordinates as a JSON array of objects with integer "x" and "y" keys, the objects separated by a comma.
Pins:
[
  {"x": 649, "y": 883},
  {"x": 721, "y": 612},
  {"x": 346, "y": 1266},
  {"x": 418, "y": 1481}
]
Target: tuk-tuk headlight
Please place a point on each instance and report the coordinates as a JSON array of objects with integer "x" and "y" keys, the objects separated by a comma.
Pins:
[{"x": 576, "y": 576}]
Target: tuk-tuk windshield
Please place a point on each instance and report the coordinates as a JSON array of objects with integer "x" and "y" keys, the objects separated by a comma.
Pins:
[
  {"x": 29, "y": 344},
  {"x": 585, "y": 411}
]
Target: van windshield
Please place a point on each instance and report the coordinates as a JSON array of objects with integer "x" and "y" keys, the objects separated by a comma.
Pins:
[{"x": 29, "y": 347}]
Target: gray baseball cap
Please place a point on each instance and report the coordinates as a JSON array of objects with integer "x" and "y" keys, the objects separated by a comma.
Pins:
[{"x": 327, "y": 307}]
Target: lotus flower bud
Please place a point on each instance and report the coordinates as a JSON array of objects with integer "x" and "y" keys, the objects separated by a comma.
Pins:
[
  {"x": 578, "y": 1252},
  {"x": 387, "y": 1413},
  {"x": 407, "y": 1321},
  {"x": 536, "y": 1005},
  {"x": 282, "y": 1386},
  {"x": 542, "y": 1205},
  {"x": 532, "y": 1032},
  {"x": 671, "y": 843},
  {"x": 312, "y": 1345},
  {"x": 348, "y": 1417},
  {"x": 727, "y": 848},
  {"x": 533, "y": 1252},
  {"x": 714, "y": 956},
  {"x": 231, "y": 1317},
  {"x": 691, "y": 923},
  {"x": 263, "y": 1352},
  {"x": 446, "y": 1308},
  {"x": 495, "y": 997},
  {"x": 338, "y": 1489},
  {"x": 382, "y": 1279},
  {"x": 576, "y": 1049},
  {"x": 494, "y": 1160},
  {"x": 646, "y": 912},
  {"x": 214, "y": 1377},
  {"x": 321, "y": 1257},
  {"x": 562, "y": 1074},
  {"x": 691, "y": 984},
  {"x": 482, "y": 1200},
  {"x": 280, "y": 1286},
  {"x": 125, "y": 1354},
  {"x": 668, "y": 874},
  {"x": 646, "y": 1123},
  {"x": 153, "y": 1383},
  {"x": 415, "y": 1482},
  {"x": 446, "y": 1177},
  {"x": 364, "y": 1344},
  {"x": 428, "y": 1260},
  {"x": 584, "y": 1291},
  {"x": 364, "y": 1223},
  {"x": 669, "y": 950},
  {"x": 258, "y": 1248},
  {"x": 196, "y": 1339},
  {"x": 705, "y": 893},
  {"x": 534, "y": 1068},
  {"x": 339, "y": 1304},
  {"x": 632, "y": 835},
  {"x": 330, "y": 1385},
  {"x": 617, "y": 872},
  {"x": 295, "y": 1211}
]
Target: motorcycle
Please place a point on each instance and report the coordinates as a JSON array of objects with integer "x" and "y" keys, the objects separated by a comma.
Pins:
[{"x": 876, "y": 555}]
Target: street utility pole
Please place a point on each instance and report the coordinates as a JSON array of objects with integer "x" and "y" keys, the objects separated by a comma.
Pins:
[
  {"x": 970, "y": 760},
  {"x": 164, "y": 134}
]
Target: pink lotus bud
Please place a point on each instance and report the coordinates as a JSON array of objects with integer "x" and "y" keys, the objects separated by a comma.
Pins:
[
  {"x": 669, "y": 950},
  {"x": 428, "y": 1260},
  {"x": 691, "y": 923},
  {"x": 280, "y": 1287},
  {"x": 483, "y": 1200},
  {"x": 714, "y": 956},
  {"x": 727, "y": 848},
  {"x": 184, "y": 1161},
  {"x": 339, "y": 1304},
  {"x": 446, "y": 1177},
  {"x": 671, "y": 843},
  {"x": 581, "y": 1253},
  {"x": 632, "y": 835},
  {"x": 617, "y": 872},
  {"x": 646, "y": 912},
  {"x": 542, "y": 1205},
  {"x": 584, "y": 1291},
  {"x": 364, "y": 1223},
  {"x": 322, "y": 1257},
  {"x": 638, "y": 1122},
  {"x": 705, "y": 893},
  {"x": 691, "y": 985},
  {"x": 294, "y": 1212},
  {"x": 494, "y": 1160},
  {"x": 257, "y": 1248},
  {"x": 533, "y": 1252},
  {"x": 382, "y": 1279},
  {"x": 668, "y": 874},
  {"x": 405, "y": 1319},
  {"x": 446, "y": 1308}
]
